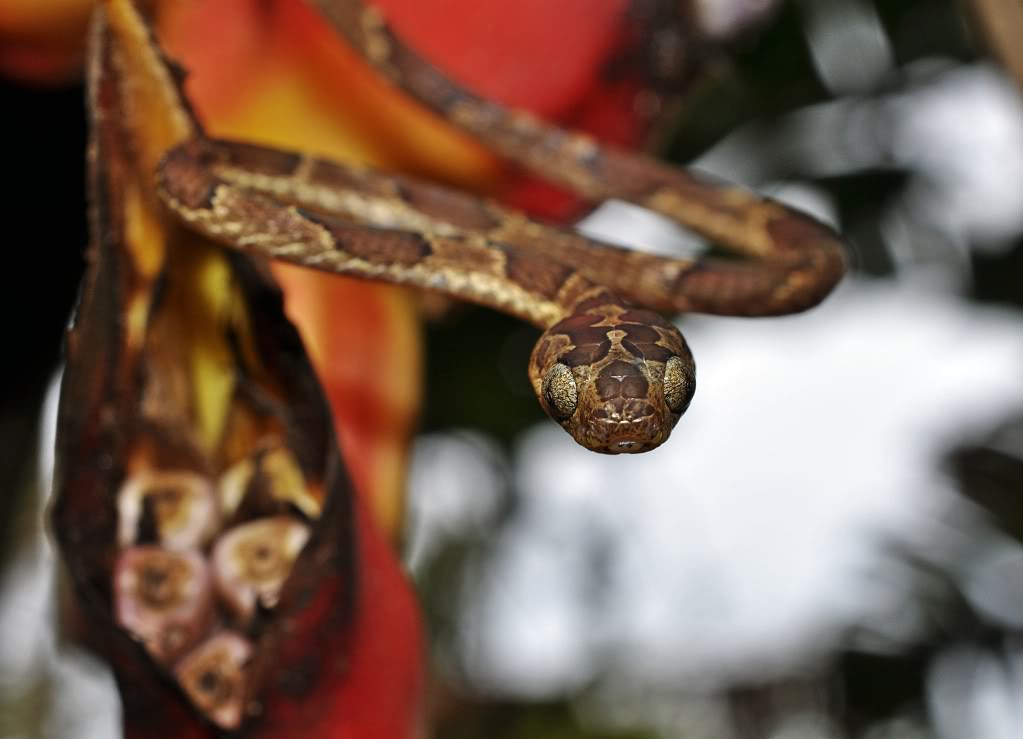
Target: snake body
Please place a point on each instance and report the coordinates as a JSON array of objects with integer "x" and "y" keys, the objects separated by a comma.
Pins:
[
  {"x": 597, "y": 368},
  {"x": 614, "y": 373}
]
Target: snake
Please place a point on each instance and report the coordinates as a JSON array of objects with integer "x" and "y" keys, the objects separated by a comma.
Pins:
[{"x": 609, "y": 367}]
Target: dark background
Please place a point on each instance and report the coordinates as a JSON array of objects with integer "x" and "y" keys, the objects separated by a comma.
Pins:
[{"x": 44, "y": 239}]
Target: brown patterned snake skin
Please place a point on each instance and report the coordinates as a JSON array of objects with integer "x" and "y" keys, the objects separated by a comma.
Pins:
[{"x": 615, "y": 375}]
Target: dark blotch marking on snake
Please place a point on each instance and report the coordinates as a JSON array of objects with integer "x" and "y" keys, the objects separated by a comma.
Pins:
[
  {"x": 376, "y": 246},
  {"x": 260, "y": 159},
  {"x": 447, "y": 206},
  {"x": 332, "y": 175},
  {"x": 639, "y": 315},
  {"x": 536, "y": 273},
  {"x": 591, "y": 343}
]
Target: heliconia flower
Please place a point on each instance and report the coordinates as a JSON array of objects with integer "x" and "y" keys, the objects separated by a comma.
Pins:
[
  {"x": 341, "y": 654},
  {"x": 202, "y": 378}
]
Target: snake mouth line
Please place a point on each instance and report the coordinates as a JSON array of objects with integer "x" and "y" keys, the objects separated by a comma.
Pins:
[
  {"x": 626, "y": 445},
  {"x": 628, "y": 438}
]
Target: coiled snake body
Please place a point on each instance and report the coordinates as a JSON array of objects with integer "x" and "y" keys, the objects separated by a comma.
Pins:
[{"x": 615, "y": 375}]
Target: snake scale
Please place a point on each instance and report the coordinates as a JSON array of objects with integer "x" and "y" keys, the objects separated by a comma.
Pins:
[{"x": 608, "y": 367}]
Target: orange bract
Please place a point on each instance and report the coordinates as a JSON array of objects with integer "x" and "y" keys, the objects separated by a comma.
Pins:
[{"x": 43, "y": 42}]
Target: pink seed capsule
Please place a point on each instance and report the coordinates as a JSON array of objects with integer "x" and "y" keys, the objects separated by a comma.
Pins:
[
  {"x": 164, "y": 598},
  {"x": 181, "y": 506},
  {"x": 213, "y": 675},
  {"x": 251, "y": 562}
]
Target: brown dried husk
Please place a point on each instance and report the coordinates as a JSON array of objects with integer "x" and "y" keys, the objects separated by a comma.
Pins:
[{"x": 181, "y": 356}]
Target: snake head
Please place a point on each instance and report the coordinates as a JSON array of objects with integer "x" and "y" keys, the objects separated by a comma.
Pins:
[{"x": 616, "y": 379}]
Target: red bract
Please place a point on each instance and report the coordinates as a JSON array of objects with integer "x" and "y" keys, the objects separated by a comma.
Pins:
[{"x": 531, "y": 54}]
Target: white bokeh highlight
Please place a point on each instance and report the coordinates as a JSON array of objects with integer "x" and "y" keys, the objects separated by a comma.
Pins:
[{"x": 754, "y": 537}]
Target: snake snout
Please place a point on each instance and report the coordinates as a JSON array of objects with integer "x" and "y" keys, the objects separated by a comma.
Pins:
[{"x": 627, "y": 427}]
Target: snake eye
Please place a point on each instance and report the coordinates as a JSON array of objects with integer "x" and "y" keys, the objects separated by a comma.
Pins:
[
  {"x": 560, "y": 392},
  {"x": 679, "y": 385}
]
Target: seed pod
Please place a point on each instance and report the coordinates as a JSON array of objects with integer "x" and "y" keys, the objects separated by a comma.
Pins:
[
  {"x": 233, "y": 486},
  {"x": 251, "y": 561},
  {"x": 284, "y": 479},
  {"x": 176, "y": 509},
  {"x": 164, "y": 598},
  {"x": 266, "y": 483},
  {"x": 213, "y": 675}
]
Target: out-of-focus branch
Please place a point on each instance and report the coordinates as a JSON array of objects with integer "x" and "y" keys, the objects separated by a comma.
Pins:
[{"x": 1002, "y": 22}]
